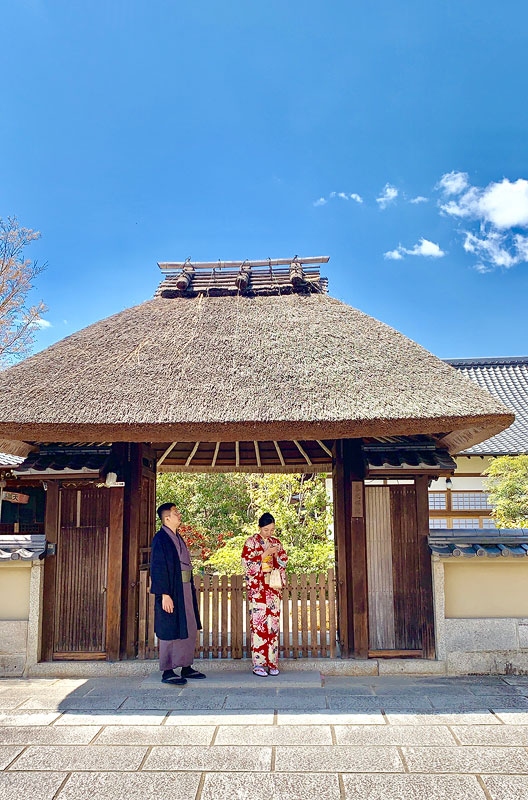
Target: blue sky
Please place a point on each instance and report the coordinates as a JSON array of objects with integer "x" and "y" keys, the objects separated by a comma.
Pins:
[{"x": 134, "y": 132}]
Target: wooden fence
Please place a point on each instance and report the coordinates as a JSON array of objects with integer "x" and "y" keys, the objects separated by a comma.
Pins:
[{"x": 308, "y": 617}]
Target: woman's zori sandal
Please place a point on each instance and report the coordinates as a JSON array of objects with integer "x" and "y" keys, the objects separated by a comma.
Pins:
[
  {"x": 273, "y": 671},
  {"x": 260, "y": 671}
]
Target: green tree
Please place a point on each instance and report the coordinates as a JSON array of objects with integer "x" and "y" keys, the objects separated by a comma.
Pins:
[
  {"x": 300, "y": 506},
  {"x": 507, "y": 484}
]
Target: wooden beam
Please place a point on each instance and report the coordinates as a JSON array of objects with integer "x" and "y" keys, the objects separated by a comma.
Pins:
[
  {"x": 324, "y": 447},
  {"x": 51, "y": 529},
  {"x": 237, "y": 454},
  {"x": 169, "y": 449},
  {"x": 425, "y": 576},
  {"x": 193, "y": 451},
  {"x": 279, "y": 453},
  {"x": 113, "y": 581},
  {"x": 257, "y": 454},
  {"x": 267, "y": 262},
  {"x": 303, "y": 452},
  {"x": 217, "y": 448},
  {"x": 131, "y": 453}
]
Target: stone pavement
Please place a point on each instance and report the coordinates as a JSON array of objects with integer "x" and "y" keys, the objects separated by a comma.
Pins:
[{"x": 237, "y": 736}]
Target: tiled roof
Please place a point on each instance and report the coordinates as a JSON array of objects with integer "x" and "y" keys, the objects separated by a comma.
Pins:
[
  {"x": 478, "y": 543},
  {"x": 507, "y": 380},
  {"x": 65, "y": 459},
  {"x": 22, "y": 547},
  {"x": 8, "y": 461},
  {"x": 420, "y": 455}
]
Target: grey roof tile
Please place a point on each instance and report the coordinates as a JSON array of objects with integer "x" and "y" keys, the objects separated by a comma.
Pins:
[{"x": 507, "y": 380}]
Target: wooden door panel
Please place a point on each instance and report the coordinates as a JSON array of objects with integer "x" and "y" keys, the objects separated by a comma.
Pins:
[
  {"x": 81, "y": 590},
  {"x": 379, "y": 567},
  {"x": 405, "y": 567}
]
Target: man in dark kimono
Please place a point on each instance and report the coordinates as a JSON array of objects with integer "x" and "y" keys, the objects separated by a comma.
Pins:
[{"x": 176, "y": 615}]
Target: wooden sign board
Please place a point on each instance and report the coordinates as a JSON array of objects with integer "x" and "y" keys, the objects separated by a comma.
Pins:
[
  {"x": 15, "y": 497},
  {"x": 357, "y": 498}
]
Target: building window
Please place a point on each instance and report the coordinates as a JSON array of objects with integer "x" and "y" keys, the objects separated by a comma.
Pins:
[
  {"x": 489, "y": 522},
  {"x": 467, "y": 501},
  {"x": 437, "y": 523},
  {"x": 465, "y": 522},
  {"x": 437, "y": 500}
]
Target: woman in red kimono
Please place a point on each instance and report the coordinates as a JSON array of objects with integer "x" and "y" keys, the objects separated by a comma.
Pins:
[{"x": 262, "y": 554}]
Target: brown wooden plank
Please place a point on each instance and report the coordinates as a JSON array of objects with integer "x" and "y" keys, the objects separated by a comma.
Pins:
[
  {"x": 379, "y": 567},
  {"x": 314, "y": 648},
  {"x": 342, "y": 535},
  {"x": 405, "y": 568},
  {"x": 143, "y": 613},
  {"x": 206, "y": 601},
  {"x": 286, "y": 640},
  {"x": 224, "y": 616},
  {"x": 214, "y": 627},
  {"x": 332, "y": 612},
  {"x": 304, "y": 617},
  {"x": 88, "y": 656},
  {"x": 294, "y": 594},
  {"x": 395, "y": 654},
  {"x": 151, "y": 639},
  {"x": 322, "y": 616},
  {"x": 132, "y": 518},
  {"x": 198, "y": 649},
  {"x": 113, "y": 582},
  {"x": 51, "y": 528},
  {"x": 425, "y": 577}
]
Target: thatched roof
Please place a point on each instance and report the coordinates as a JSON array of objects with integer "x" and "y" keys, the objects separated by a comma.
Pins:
[{"x": 297, "y": 366}]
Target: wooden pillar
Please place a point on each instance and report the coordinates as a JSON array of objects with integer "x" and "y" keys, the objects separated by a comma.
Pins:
[
  {"x": 51, "y": 529},
  {"x": 425, "y": 578},
  {"x": 350, "y": 532},
  {"x": 139, "y": 473},
  {"x": 114, "y": 575}
]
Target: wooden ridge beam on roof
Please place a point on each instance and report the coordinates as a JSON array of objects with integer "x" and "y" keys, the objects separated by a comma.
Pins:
[{"x": 267, "y": 262}]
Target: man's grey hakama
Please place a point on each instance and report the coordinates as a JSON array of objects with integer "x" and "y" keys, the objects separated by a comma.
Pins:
[{"x": 180, "y": 652}]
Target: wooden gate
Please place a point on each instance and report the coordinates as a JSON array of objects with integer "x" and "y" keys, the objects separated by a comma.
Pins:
[
  {"x": 396, "y": 605},
  {"x": 308, "y": 617}
]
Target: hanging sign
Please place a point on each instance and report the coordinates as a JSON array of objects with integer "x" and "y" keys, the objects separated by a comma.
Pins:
[{"x": 15, "y": 497}]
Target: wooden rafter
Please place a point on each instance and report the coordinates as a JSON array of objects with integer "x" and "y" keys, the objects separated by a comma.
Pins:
[
  {"x": 267, "y": 262},
  {"x": 257, "y": 454},
  {"x": 191, "y": 456},
  {"x": 324, "y": 447},
  {"x": 303, "y": 453},
  {"x": 279, "y": 453},
  {"x": 237, "y": 454},
  {"x": 169, "y": 449},
  {"x": 217, "y": 448}
]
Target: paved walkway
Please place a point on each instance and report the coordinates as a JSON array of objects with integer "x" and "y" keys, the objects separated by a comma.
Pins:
[{"x": 237, "y": 736}]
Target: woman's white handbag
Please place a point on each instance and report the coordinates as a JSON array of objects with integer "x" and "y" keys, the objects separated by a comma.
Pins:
[{"x": 275, "y": 580}]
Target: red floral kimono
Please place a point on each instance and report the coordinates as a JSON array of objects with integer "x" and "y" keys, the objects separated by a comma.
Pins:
[{"x": 264, "y": 602}]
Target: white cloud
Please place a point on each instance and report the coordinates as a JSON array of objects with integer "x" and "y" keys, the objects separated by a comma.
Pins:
[
  {"x": 394, "y": 255},
  {"x": 43, "y": 323},
  {"x": 423, "y": 248},
  {"x": 341, "y": 195},
  {"x": 388, "y": 195},
  {"x": 453, "y": 182},
  {"x": 497, "y": 210},
  {"x": 419, "y": 199}
]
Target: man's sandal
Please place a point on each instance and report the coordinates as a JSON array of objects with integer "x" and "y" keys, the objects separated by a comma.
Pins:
[{"x": 260, "y": 671}]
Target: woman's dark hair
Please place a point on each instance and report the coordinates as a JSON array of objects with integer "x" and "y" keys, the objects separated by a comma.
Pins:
[
  {"x": 163, "y": 508},
  {"x": 266, "y": 519}
]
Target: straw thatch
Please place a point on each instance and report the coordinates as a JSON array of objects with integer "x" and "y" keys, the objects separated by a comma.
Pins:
[{"x": 209, "y": 368}]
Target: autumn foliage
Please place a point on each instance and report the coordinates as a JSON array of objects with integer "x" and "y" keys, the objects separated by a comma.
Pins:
[{"x": 18, "y": 320}]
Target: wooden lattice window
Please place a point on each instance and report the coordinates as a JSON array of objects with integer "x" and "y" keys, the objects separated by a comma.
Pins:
[
  {"x": 467, "y": 501},
  {"x": 437, "y": 500}
]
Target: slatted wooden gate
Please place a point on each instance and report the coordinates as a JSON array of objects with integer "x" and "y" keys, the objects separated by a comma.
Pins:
[
  {"x": 395, "y": 605},
  {"x": 308, "y": 617},
  {"x": 81, "y": 574}
]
